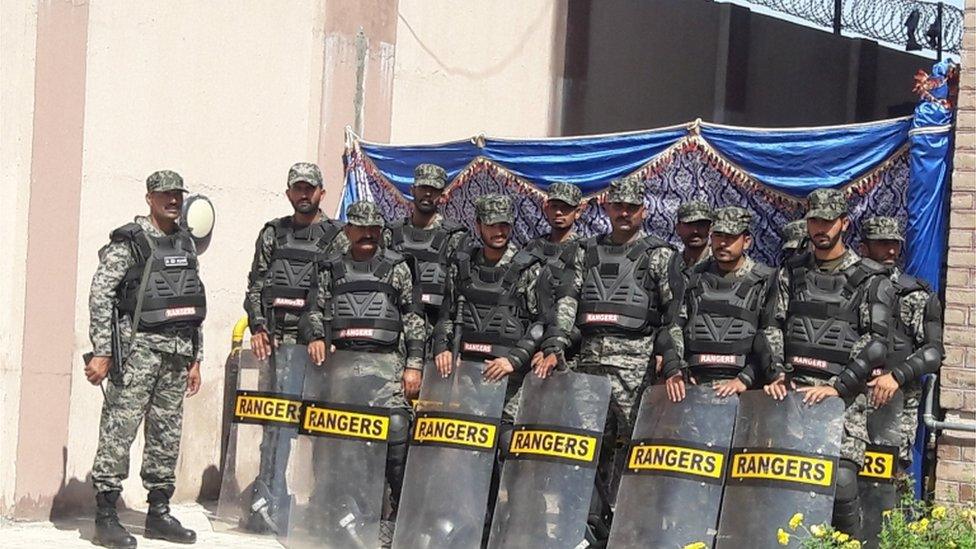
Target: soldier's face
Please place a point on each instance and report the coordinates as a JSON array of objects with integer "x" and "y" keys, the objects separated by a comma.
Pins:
[
  {"x": 694, "y": 234},
  {"x": 426, "y": 198},
  {"x": 364, "y": 239},
  {"x": 495, "y": 235},
  {"x": 729, "y": 248},
  {"x": 625, "y": 216},
  {"x": 304, "y": 197},
  {"x": 165, "y": 204},
  {"x": 883, "y": 251},
  {"x": 825, "y": 233},
  {"x": 560, "y": 214}
]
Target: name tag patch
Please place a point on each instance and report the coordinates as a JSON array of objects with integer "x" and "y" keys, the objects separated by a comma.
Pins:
[
  {"x": 176, "y": 261},
  {"x": 731, "y": 360},
  {"x": 288, "y": 302},
  {"x": 601, "y": 318},
  {"x": 355, "y": 332},
  {"x": 809, "y": 362},
  {"x": 477, "y": 348},
  {"x": 180, "y": 311}
]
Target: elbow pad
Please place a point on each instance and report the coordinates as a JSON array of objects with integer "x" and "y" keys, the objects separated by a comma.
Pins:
[
  {"x": 307, "y": 331},
  {"x": 926, "y": 360},
  {"x": 848, "y": 385}
]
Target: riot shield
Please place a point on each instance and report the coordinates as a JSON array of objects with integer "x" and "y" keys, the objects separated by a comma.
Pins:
[
  {"x": 348, "y": 431},
  {"x": 671, "y": 490},
  {"x": 547, "y": 479},
  {"x": 452, "y": 452},
  {"x": 876, "y": 482},
  {"x": 264, "y": 411},
  {"x": 784, "y": 461}
]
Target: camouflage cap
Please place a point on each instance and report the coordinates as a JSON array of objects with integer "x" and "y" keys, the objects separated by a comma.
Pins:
[
  {"x": 629, "y": 190},
  {"x": 364, "y": 214},
  {"x": 695, "y": 210},
  {"x": 304, "y": 172},
  {"x": 826, "y": 204},
  {"x": 794, "y": 233},
  {"x": 564, "y": 192},
  {"x": 164, "y": 180},
  {"x": 494, "y": 208},
  {"x": 429, "y": 175},
  {"x": 881, "y": 228},
  {"x": 731, "y": 220}
]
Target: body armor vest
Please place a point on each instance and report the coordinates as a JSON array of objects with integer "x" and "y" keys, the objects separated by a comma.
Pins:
[
  {"x": 493, "y": 317},
  {"x": 292, "y": 276},
  {"x": 616, "y": 297},
  {"x": 552, "y": 254},
  {"x": 174, "y": 294},
  {"x": 366, "y": 305},
  {"x": 822, "y": 318},
  {"x": 723, "y": 319},
  {"x": 428, "y": 249},
  {"x": 902, "y": 339}
]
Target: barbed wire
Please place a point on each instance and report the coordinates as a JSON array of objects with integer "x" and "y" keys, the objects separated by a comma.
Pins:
[{"x": 880, "y": 19}]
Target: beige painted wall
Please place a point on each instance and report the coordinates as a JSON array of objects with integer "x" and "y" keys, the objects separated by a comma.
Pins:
[
  {"x": 18, "y": 27},
  {"x": 464, "y": 68}
]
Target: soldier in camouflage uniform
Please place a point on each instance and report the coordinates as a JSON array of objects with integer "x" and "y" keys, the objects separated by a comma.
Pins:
[
  {"x": 916, "y": 338},
  {"x": 832, "y": 290},
  {"x": 794, "y": 238},
  {"x": 728, "y": 351},
  {"x": 370, "y": 273},
  {"x": 694, "y": 223},
  {"x": 158, "y": 365}
]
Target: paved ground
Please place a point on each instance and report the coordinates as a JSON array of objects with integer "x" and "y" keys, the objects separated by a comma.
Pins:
[{"x": 76, "y": 532}]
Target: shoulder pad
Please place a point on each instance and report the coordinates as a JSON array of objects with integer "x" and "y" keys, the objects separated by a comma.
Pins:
[
  {"x": 333, "y": 223},
  {"x": 763, "y": 270},
  {"x": 524, "y": 258},
  {"x": 452, "y": 226},
  {"x": 796, "y": 260},
  {"x": 872, "y": 267},
  {"x": 907, "y": 284},
  {"x": 393, "y": 256},
  {"x": 129, "y": 231},
  {"x": 701, "y": 267},
  {"x": 396, "y": 224},
  {"x": 331, "y": 259},
  {"x": 656, "y": 242},
  {"x": 278, "y": 222}
]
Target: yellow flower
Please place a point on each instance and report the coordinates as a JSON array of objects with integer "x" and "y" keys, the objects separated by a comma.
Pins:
[
  {"x": 696, "y": 545},
  {"x": 782, "y": 537},
  {"x": 886, "y": 513},
  {"x": 938, "y": 512},
  {"x": 818, "y": 531},
  {"x": 839, "y": 536},
  {"x": 919, "y": 526},
  {"x": 853, "y": 544},
  {"x": 796, "y": 520}
]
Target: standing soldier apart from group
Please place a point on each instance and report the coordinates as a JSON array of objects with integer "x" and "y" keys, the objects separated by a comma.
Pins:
[
  {"x": 146, "y": 339},
  {"x": 835, "y": 312}
]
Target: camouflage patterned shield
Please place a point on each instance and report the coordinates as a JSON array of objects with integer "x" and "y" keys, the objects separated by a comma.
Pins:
[
  {"x": 876, "y": 483},
  {"x": 671, "y": 490},
  {"x": 784, "y": 461},
  {"x": 347, "y": 431},
  {"x": 452, "y": 452},
  {"x": 547, "y": 479},
  {"x": 264, "y": 411}
]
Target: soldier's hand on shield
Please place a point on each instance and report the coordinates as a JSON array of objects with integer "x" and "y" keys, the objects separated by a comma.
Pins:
[
  {"x": 730, "y": 387},
  {"x": 778, "y": 389},
  {"x": 193, "y": 381},
  {"x": 885, "y": 388},
  {"x": 261, "y": 344},
  {"x": 97, "y": 368},
  {"x": 545, "y": 364},
  {"x": 444, "y": 362},
  {"x": 497, "y": 368},
  {"x": 815, "y": 395},
  {"x": 316, "y": 351},
  {"x": 411, "y": 382},
  {"x": 676, "y": 387}
]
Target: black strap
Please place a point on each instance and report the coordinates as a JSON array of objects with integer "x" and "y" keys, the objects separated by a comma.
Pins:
[
  {"x": 822, "y": 311},
  {"x": 728, "y": 310},
  {"x": 366, "y": 286}
]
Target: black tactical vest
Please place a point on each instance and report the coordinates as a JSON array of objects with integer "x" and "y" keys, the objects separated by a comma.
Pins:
[
  {"x": 559, "y": 255},
  {"x": 901, "y": 343},
  {"x": 428, "y": 249},
  {"x": 723, "y": 319},
  {"x": 366, "y": 305},
  {"x": 617, "y": 296},
  {"x": 822, "y": 319},
  {"x": 493, "y": 316},
  {"x": 174, "y": 294},
  {"x": 292, "y": 276}
]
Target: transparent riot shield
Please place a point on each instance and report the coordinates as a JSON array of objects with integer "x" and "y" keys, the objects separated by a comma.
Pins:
[
  {"x": 265, "y": 411},
  {"x": 547, "y": 479},
  {"x": 452, "y": 452},
  {"x": 347, "y": 429},
  {"x": 784, "y": 461},
  {"x": 671, "y": 490},
  {"x": 877, "y": 480}
]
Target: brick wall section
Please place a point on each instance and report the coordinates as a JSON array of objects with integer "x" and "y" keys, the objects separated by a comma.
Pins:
[{"x": 956, "y": 469}]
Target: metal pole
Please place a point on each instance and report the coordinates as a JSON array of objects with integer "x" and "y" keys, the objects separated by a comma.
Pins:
[
  {"x": 938, "y": 25},
  {"x": 838, "y": 22},
  {"x": 929, "y": 412}
]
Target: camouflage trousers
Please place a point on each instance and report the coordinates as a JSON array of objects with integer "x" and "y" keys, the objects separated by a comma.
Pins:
[
  {"x": 855, "y": 423},
  {"x": 909, "y": 420},
  {"x": 513, "y": 395},
  {"x": 157, "y": 383}
]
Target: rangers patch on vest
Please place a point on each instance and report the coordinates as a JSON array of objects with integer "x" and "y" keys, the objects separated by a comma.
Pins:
[
  {"x": 809, "y": 362},
  {"x": 355, "y": 422},
  {"x": 295, "y": 303},
  {"x": 355, "y": 332},
  {"x": 791, "y": 470},
  {"x": 176, "y": 261},
  {"x": 680, "y": 459},
  {"x": 426, "y": 298},
  {"x": 879, "y": 462},
  {"x": 554, "y": 443},
  {"x": 477, "y": 348},
  {"x": 601, "y": 318},
  {"x": 454, "y": 431},
  {"x": 731, "y": 360},
  {"x": 267, "y": 408},
  {"x": 174, "y": 312}
]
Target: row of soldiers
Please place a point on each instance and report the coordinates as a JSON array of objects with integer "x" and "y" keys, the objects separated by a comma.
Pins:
[{"x": 626, "y": 306}]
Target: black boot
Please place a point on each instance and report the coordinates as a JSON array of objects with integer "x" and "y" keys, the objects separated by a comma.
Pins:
[
  {"x": 162, "y": 525},
  {"x": 109, "y": 532}
]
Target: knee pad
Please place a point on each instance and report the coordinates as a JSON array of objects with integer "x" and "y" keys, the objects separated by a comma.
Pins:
[{"x": 847, "y": 504}]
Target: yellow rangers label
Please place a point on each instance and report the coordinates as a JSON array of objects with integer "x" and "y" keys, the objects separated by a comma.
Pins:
[
  {"x": 808, "y": 470},
  {"x": 455, "y": 432},
  {"x": 263, "y": 407},
  {"x": 676, "y": 459},
  {"x": 879, "y": 464},
  {"x": 554, "y": 444},
  {"x": 321, "y": 420}
]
